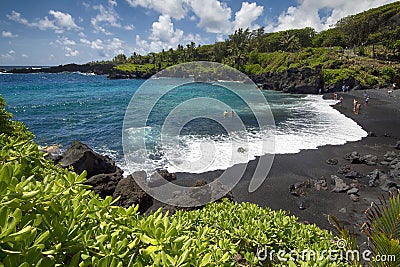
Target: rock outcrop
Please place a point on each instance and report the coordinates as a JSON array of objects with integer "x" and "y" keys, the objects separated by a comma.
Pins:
[
  {"x": 81, "y": 157},
  {"x": 102, "y": 173},
  {"x": 130, "y": 193},
  {"x": 99, "y": 69},
  {"x": 299, "y": 81}
]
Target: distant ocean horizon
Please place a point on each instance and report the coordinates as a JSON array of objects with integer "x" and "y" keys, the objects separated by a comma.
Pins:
[{"x": 60, "y": 108}]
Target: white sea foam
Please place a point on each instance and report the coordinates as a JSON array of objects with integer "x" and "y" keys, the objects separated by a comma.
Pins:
[{"x": 195, "y": 154}]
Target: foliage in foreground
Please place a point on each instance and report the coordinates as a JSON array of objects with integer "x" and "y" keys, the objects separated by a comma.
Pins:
[
  {"x": 382, "y": 229},
  {"x": 49, "y": 218}
]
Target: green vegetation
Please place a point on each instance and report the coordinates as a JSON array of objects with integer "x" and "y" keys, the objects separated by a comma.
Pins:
[
  {"x": 129, "y": 67},
  {"x": 365, "y": 46},
  {"x": 382, "y": 229},
  {"x": 48, "y": 217}
]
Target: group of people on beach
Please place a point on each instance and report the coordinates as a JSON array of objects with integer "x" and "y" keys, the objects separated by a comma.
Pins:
[
  {"x": 226, "y": 113},
  {"x": 356, "y": 103},
  {"x": 335, "y": 97}
]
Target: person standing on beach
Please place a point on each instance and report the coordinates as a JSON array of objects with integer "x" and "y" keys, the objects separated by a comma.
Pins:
[
  {"x": 355, "y": 102},
  {"x": 366, "y": 100},
  {"x": 340, "y": 101},
  {"x": 225, "y": 113},
  {"x": 233, "y": 113},
  {"x": 358, "y": 107},
  {"x": 334, "y": 96}
]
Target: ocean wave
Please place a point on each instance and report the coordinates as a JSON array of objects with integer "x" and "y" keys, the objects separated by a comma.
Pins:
[{"x": 198, "y": 154}]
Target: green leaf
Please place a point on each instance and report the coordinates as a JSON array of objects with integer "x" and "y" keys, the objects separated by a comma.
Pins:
[
  {"x": 42, "y": 238},
  {"x": 75, "y": 260},
  {"x": 150, "y": 249},
  {"x": 45, "y": 262},
  {"x": 206, "y": 259},
  {"x": 5, "y": 178},
  {"x": 183, "y": 257},
  {"x": 147, "y": 240}
]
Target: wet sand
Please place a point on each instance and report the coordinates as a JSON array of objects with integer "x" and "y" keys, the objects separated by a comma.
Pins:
[{"x": 381, "y": 116}]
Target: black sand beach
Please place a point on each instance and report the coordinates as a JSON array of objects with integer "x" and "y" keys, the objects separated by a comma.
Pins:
[{"x": 381, "y": 117}]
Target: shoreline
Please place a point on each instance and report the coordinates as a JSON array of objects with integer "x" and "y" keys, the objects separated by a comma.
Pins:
[{"x": 378, "y": 117}]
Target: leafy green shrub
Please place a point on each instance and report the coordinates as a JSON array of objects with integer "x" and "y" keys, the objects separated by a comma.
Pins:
[
  {"x": 48, "y": 217},
  {"x": 389, "y": 74},
  {"x": 253, "y": 69},
  {"x": 333, "y": 76}
]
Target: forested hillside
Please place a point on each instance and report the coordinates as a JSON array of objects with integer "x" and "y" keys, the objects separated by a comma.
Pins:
[{"x": 365, "y": 46}]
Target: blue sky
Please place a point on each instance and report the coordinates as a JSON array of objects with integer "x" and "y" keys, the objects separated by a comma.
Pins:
[{"x": 64, "y": 31}]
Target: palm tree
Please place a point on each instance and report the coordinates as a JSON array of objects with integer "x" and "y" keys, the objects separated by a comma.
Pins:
[{"x": 382, "y": 229}]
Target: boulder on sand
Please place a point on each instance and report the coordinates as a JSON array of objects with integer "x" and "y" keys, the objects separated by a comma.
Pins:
[{"x": 339, "y": 185}]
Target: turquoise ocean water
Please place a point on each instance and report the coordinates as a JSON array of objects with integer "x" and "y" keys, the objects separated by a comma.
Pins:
[{"x": 60, "y": 108}]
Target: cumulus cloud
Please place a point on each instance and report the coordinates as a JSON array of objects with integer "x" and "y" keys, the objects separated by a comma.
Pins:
[
  {"x": 249, "y": 13},
  {"x": 60, "y": 21},
  {"x": 85, "y": 41},
  {"x": 163, "y": 36},
  {"x": 107, "y": 17},
  {"x": 70, "y": 52},
  {"x": 97, "y": 44},
  {"x": 63, "y": 20},
  {"x": 173, "y": 8},
  {"x": 65, "y": 41},
  {"x": 7, "y": 34},
  {"x": 8, "y": 56},
  {"x": 105, "y": 48},
  {"x": 214, "y": 15},
  {"x": 321, "y": 14}
]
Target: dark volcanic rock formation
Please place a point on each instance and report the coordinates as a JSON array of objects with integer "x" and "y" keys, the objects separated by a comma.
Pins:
[
  {"x": 81, "y": 157},
  {"x": 300, "y": 81},
  {"x": 102, "y": 173},
  {"x": 130, "y": 193},
  {"x": 99, "y": 69}
]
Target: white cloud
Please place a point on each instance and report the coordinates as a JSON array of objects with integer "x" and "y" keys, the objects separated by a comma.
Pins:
[
  {"x": 107, "y": 16},
  {"x": 163, "y": 36},
  {"x": 214, "y": 15},
  {"x": 7, "y": 34},
  {"x": 97, "y": 44},
  {"x": 306, "y": 14},
  {"x": 15, "y": 16},
  {"x": 24, "y": 55},
  {"x": 86, "y": 5},
  {"x": 70, "y": 52},
  {"x": 220, "y": 38},
  {"x": 129, "y": 27},
  {"x": 85, "y": 41},
  {"x": 81, "y": 34},
  {"x": 65, "y": 41},
  {"x": 60, "y": 22},
  {"x": 245, "y": 17},
  {"x": 106, "y": 48},
  {"x": 63, "y": 20},
  {"x": 173, "y": 8},
  {"x": 116, "y": 46},
  {"x": 8, "y": 55}
]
